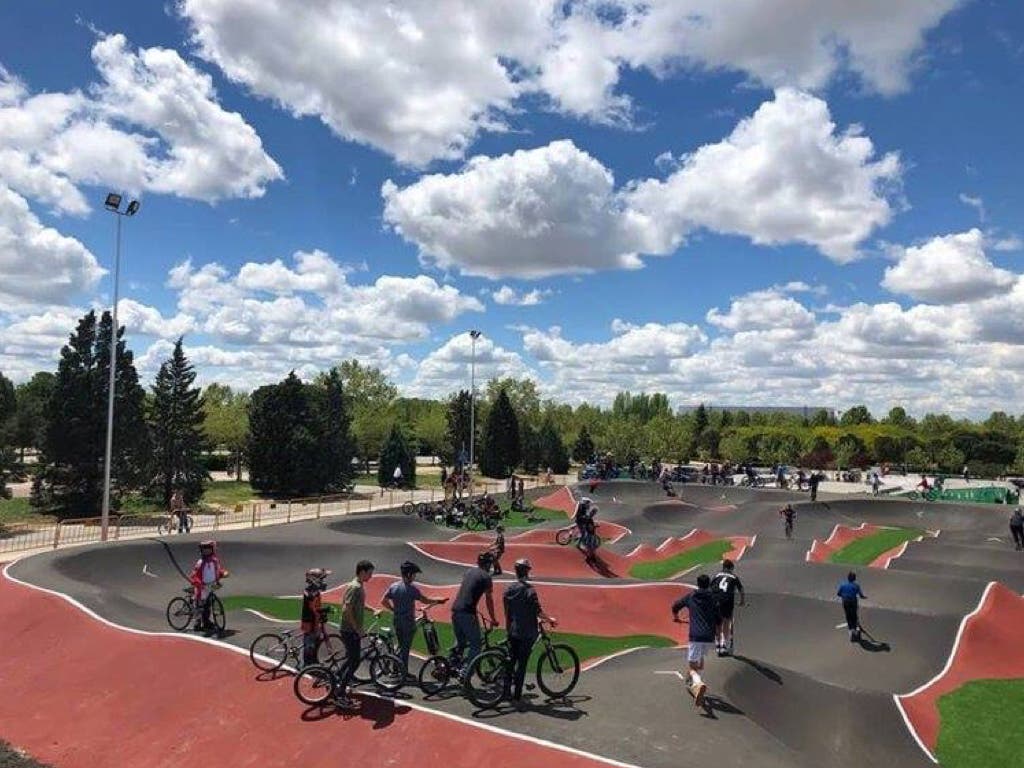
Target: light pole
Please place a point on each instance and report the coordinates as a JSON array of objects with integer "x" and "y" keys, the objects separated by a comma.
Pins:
[
  {"x": 473, "y": 335},
  {"x": 113, "y": 204}
]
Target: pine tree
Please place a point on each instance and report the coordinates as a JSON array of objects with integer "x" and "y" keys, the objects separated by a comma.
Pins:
[
  {"x": 396, "y": 453},
  {"x": 552, "y": 449},
  {"x": 70, "y": 480},
  {"x": 532, "y": 456},
  {"x": 175, "y": 422},
  {"x": 336, "y": 444},
  {"x": 457, "y": 434},
  {"x": 501, "y": 445},
  {"x": 583, "y": 448},
  {"x": 700, "y": 420},
  {"x": 282, "y": 447}
]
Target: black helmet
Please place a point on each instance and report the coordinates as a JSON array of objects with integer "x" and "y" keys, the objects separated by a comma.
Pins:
[
  {"x": 409, "y": 568},
  {"x": 484, "y": 559}
]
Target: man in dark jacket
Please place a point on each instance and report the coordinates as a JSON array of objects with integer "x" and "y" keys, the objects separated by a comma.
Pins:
[
  {"x": 703, "y": 621},
  {"x": 522, "y": 614}
]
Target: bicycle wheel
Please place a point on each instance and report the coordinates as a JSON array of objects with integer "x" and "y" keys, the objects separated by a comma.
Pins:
[
  {"x": 408, "y": 508},
  {"x": 330, "y": 648},
  {"x": 563, "y": 536},
  {"x": 488, "y": 678},
  {"x": 217, "y": 616},
  {"x": 434, "y": 675},
  {"x": 190, "y": 521},
  {"x": 163, "y": 528},
  {"x": 269, "y": 652},
  {"x": 314, "y": 685},
  {"x": 558, "y": 670},
  {"x": 179, "y": 613},
  {"x": 387, "y": 672},
  {"x": 361, "y": 674},
  {"x": 473, "y": 522}
]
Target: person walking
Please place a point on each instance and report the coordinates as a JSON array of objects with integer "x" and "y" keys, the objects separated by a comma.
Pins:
[
  {"x": 703, "y": 609},
  {"x": 850, "y": 592},
  {"x": 724, "y": 586},
  {"x": 476, "y": 583},
  {"x": 812, "y": 482},
  {"x": 1017, "y": 528},
  {"x": 401, "y": 598},
  {"x": 523, "y": 613}
]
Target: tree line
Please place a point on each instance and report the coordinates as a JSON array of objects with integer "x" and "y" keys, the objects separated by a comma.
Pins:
[{"x": 303, "y": 438}]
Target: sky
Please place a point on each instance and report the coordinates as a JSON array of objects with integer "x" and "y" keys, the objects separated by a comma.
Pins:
[{"x": 761, "y": 202}]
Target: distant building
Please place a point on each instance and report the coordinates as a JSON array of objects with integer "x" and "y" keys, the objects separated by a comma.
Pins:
[{"x": 806, "y": 411}]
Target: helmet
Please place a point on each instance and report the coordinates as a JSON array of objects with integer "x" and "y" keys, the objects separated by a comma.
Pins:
[
  {"x": 317, "y": 576},
  {"x": 207, "y": 547},
  {"x": 523, "y": 563},
  {"x": 409, "y": 568},
  {"x": 585, "y": 501},
  {"x": 484, "y": 559}
]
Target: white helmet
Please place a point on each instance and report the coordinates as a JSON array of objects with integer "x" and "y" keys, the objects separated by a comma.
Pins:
[{"x": 585, "y": 501}]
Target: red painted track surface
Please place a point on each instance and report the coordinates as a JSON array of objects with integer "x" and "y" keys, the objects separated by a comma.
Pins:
[
  {"x": 553, "y": 561},
  {"x": 610, "y": 532},
  {"x": 562, "y": 500},
  {"x": 77, "y": 692},
  {"x": 580, "y": 608},
  {"x": 989, "y": 648}
]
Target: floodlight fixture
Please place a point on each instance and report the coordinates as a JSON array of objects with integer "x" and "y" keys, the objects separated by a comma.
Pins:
[{"x": 113, "y": 201}]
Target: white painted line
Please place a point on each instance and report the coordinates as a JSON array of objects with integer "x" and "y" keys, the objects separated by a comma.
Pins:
[
  {"x": 147, "y": 572},
  {"x": 913, "y": 731},
  {"x": 598, "y": 662},
  {"x": 675, "y": 672},
  {"x": 266, "y": 617},
  {"x": 841, "y": 626},
  {"x": 410, "y": 704}
]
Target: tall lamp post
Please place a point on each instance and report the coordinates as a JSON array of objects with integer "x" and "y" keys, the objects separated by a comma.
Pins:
[
  {"x": 473, "y": 335},
  {"x": 113, "y": 204}
]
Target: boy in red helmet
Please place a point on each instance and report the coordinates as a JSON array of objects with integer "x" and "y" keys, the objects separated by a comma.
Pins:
[{"x": 206, "y": 574}]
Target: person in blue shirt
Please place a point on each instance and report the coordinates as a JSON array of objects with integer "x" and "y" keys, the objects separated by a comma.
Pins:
[
  {"x": 401, "y": 598},
  {"x": 704, "y": 618},
  {"x": 850, "y": 591}
]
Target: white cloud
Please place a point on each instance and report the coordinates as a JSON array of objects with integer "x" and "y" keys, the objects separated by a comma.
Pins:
[
  {"x": 1009, "y": 243},
  {"x": 447, "y": 368},
  {"x": 783, "y": 176},
  {"x": 974, "y": 202},
  {"x": 948, "y": 269},
  {"x": 148, "y": 321},
  {"x": 150, "y": 123},
  {"x": 39, "y": 265},
  {"x": 421, "y": 80},
  {"x": 506, "y": 295},
  {"x": 762, "y": 311}
]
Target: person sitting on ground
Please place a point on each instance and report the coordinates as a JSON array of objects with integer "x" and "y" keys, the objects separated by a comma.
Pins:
[
  {"x": 498, "y": 549},
  {"x": 206, "y": 575},
  {"x": 849, "y": 591},
  {"x": 476, "y": 583},
  {"x": 313, "y": 613},
  {"x": 703, "y": 609},
  {"x": 401, "y": 598},
  {"x": 724, "y": 587},
  {"x": 522, "y": 614}
]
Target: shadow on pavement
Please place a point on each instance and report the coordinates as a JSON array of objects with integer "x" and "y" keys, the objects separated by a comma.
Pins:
[
  {"x": 768, "y": 672},
  {"x": 560, "y": 709},
  {"x": 381, "y": 712}
]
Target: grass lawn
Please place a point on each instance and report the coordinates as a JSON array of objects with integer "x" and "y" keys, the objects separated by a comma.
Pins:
[
  {"x": 670, "y": 566},
  {"x": 18, "y": 510},
  {"x": 587, "y": 646},
  {"x": 518, "y": 520},
  {"x": 865, "y": 550},
  {"x": 13, "y": 758},
  {"x": 980, "y": 725},
  {"x": 228, "y": 493},
  {"x": 423, "y": 479}
]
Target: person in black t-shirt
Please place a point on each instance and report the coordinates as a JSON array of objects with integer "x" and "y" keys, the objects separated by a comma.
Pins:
[
  {"x": 476, "y": 583},
  {"x": 724, "y": 586},
  {"x": 522, "y": 614}
]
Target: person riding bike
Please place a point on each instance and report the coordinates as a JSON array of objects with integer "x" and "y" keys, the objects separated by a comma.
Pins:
[
  {"x": 588, "y": 534},
  {"x": 582, "y": 519},
  {"x": 789, "y": 514},
  {"x": 206, "y": 573},
  {"x": 313, "y": 613}
]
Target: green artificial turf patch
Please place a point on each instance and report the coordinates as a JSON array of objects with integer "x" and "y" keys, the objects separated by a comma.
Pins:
[
  {"x": 980, "y": 725},
  {"x": 670, "y": 566},
  {"x": 16, "y": 758},
  {"x": 864, "y": 551},
  {"x": 587, "y": 646}
]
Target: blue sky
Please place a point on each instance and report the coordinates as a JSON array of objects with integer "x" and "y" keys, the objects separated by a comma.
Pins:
[{"x": 783, "y": 204}]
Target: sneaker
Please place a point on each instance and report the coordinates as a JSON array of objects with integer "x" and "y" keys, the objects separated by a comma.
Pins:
[
  {"x": 720, "y": 650},
  {"x": 698, "y": 695}
]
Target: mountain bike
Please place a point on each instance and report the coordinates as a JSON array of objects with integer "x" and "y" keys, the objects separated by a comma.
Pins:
[
  {"x": 183, "y": 610},
  {"x": 571, "y": 534},
  {"x": 438, "y": 671},
  {"x": 489, "y": 678},
  {"x": 173, "y": 524},
  {"x": 319, "y": 683},
  {"x": 271, "y": 650},
  {"x": 379, "y": 662}
]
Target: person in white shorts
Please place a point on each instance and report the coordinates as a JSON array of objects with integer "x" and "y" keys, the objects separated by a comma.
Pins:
[{"x": 703, "y": 609}]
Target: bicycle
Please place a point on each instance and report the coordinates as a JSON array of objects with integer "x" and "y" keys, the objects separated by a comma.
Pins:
[
  {"x": 318, "y": 683},
  {"x": 378, "y": 659},
  {"x": 172, "y": 524},
  {"x": 183, "y": 610},
  {"x": 271, "y": 650},
  {"x": 788, "y": 526},
  {"x": 489, "y": 678},
  {"x": 439, "y": 670},
  {"x": 570, "y": 534}
]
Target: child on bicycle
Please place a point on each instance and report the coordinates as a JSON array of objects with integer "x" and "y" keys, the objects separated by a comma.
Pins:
[
  {"x": 789, "y": 514},
  {"x": 206, "y": 574},
  {"x": 313, "y": 613}
]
